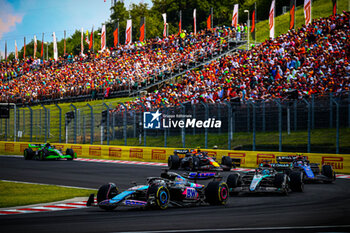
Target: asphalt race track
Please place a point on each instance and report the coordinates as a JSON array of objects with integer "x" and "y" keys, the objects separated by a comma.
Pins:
[{"x": 321, "y": 208}]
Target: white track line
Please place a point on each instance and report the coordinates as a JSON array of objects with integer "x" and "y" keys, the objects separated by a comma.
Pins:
[{"x": 241, "y": 229}]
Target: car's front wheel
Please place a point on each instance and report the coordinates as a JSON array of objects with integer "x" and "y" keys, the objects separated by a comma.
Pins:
[
  {"x": 105, "y": 192},
  {"x": 158, "y": 196},
  {"x": 216, "y": 193},
  {"x": 28, "y": 153}
]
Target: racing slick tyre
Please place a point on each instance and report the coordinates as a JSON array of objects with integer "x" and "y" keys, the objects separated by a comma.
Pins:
[
  {"x": 173, "y": 162},
  {"x": 296, "y": 181},
  {"x": 158, "y": 197},
  {"x": 194, "y": 164},
  {"x": 227, "y": 162},
  {"x": 216, "y": 193},
  {"x": 43, "y": 154},
  {"x": 107, "y": 191},
  {"x": 70, "y": 152},
  {"x": 28, "y": 153},
  {"x": 281, "y": 182},
  {"x": 233, "y": 181},
  {"x": 327, "y": 170}
]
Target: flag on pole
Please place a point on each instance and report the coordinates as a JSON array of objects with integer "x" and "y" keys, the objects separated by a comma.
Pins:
[
  {"x": 87, "y": 37},
  {"x": 64, "y": 43},
  {"x": 55, "y": 52},
  {"x": 35, "y": 45},
  {"x": 209, "y": 22},
  {"x": 42, "y": 48},
  {"x": 180, "y": 18},
  {"x": 103, "y": 37},
  {"x": 307, "y": 11},
  {"x": 116, "y": 35},
  {"x": 272, "y": 20},
  {"x": 91, "y": 38},
  {"x": 142, "y": 29},
  {"x": 252, "y": 30},
  {"x": 292, "y": 15},
  {"x": 82, "y": 42},
  {"x": 235, "y": 16},
  {"x": 194, "y": 22},
  {"x": 334, "y": 7},
  {"x": 128, "y": 32},
  {"x": 5, "y": 50},
  {"x": 24, "y": 48},
  {"x": 16, "y": 50},
  {"x": 164, "y": 23}
]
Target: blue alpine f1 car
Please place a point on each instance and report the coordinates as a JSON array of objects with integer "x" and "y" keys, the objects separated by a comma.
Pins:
[
  {"x": 168, "y": 189},
  {"x": 311, "y": 171}
]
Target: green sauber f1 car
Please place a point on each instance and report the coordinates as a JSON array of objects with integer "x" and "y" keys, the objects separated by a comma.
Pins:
[{"x": 46, "y": 152}]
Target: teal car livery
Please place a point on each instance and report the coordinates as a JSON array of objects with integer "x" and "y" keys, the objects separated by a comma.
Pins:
[{"x": 47, "y": 152}]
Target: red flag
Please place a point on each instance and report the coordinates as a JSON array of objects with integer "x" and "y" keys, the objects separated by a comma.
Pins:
[
  {"x": 253, "y": 22},
  {"x": 116, "y": 37},
  {"x": 334, "y": 7},
  {"x": 180, "y": 15},
  {"x": 24, "y": 48},
  {"x": 42, "y": 48},
  {"x": 142, "y": 29},
  {"x": 91, "y": 38},
  {"x": 209, "y": 22},
  {"x": 307, "y": 11},
  {"x": 292, "y": 15}
]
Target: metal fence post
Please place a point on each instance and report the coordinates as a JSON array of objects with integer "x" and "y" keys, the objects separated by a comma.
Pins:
[
  {"x": 31, "y": 123},
  {"x": 194, "y": 116},
  {"x": 107, "y": 123},
  {"x": 349, "y": 109},
  {"x": 144, "y": 130},
  {"x": 206, "y": 129},
  {"x": 45, "y": 121},
  {"x": 60, "y": 123},
  {"x": 183, "y": 133},
  {"x": 6, "y": 122},
  {"x": 135, "y": 124},
  {"x": 92, "y": 124},
  {"x": 219, "y": 115},
  {"x": 75, "y": 123},
  {"x": 337, "y": 125},
  {"x": 48, "y": 122},
  {"x": 84, "y": 129},
  {"x": 229, "y": 123},
  {"x": 124, "y": 124},
  {"x": 254, "y": 126},
  {"x": 330, "y": 110},
  {"x": 295, "y": 115},
  {"x": 14, "y": 123},
  {"x": 165, "y": 133},
  {"x": 40, "y": 122},
  {"x": 24, "y": 121},
  {"x": 313, "y": 111},
  {"x": 263, "y": 116},
  {"x": 308, "y": 126},
  {"x": 279, "y": 124},
  {"x": 248, "y": 117}
]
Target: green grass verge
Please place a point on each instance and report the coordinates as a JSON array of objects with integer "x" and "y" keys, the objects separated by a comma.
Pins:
[{"x": 19, "y": 194}]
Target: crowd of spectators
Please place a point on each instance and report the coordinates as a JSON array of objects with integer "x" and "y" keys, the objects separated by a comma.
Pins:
[
  {"x": 127, "y": 67},
  {"x": 311, "y": 60}
]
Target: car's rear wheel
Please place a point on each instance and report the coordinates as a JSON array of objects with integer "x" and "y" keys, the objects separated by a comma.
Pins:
[
  {"x": 28, "y": 153},
  {"x": 158, "y": 196},
  {"x": 327, "y": 170},
  {"x": 216, "y": 193},
  {"x": 173, "y": 162},
  {"x": 296, "y": 181},
  {"x": 233, "y": 181},
  {"x": 227, "y": 162},
  {"x": 107, "y": 191},
  {"x": 70, "y": 152}
]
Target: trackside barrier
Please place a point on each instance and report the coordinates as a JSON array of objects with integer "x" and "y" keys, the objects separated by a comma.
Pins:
[{"x": 249, "y": 159}]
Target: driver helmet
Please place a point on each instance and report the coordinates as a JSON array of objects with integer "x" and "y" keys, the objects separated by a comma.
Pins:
[
  {"x": 265, "y": 172},
  {"x": 299, "y": 157}
]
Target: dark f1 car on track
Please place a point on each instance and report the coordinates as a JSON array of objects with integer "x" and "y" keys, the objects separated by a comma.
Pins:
[
  {"x": 311, "y": 171},
  {"x": 196, "y": 160},
  {"x": 160, "y": 192},
  {"x": 46, "y": 152},
  {"x": 266, "y": 178}
]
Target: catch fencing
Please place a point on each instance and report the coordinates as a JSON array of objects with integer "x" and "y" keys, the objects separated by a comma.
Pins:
[{"x": 319, "y": 124}]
